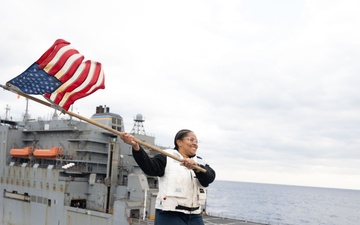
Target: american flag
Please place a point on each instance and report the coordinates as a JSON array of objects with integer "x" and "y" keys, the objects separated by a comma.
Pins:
[{"x": 61, "y": 76}]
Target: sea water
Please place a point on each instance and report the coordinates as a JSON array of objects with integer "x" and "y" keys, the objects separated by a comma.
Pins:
[{"x": 283, "y": 204}]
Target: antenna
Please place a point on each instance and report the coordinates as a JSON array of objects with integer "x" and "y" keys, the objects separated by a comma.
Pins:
[
  {"x": 138, "y": 127},
  {"x": 55, "y": 116},
  {"x": 26, "y": 115},
  {"x": 7, "y": 108}
]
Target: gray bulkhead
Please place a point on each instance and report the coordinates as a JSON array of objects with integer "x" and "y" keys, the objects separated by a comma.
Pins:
[{"x": 101, "y": 185}]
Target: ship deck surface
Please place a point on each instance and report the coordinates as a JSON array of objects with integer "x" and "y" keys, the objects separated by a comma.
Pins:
[{"x": 209, "y": 220}]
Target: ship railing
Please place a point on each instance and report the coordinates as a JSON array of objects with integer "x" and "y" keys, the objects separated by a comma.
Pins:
[
  {"x": 70, "y": 178},
  {"x": 99, "y": 150},
  {"x": 89, "y": 159}
]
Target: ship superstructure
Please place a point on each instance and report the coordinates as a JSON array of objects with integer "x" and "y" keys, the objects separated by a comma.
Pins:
[{"x": 66, "y": 171}]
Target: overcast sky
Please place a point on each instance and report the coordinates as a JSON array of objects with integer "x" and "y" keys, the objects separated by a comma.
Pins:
[{"x": 271, "y": 88}]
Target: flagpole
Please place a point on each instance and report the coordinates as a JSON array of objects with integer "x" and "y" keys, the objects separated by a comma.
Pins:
[{"x": 98, "y": 125}]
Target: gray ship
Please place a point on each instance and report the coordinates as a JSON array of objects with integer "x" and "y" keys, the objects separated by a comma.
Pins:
[{"x": 67, "y": 171}]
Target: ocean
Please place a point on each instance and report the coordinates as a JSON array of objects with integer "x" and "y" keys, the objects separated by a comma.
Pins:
[{"x": 283, "y": 204}]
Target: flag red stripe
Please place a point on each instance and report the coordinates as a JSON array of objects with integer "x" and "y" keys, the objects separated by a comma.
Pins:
[
  {"x": 78, "y": 78},
  {"x": 61, "y": 61},
  {"x": 72, "y": 69},
  {"x": 97, "y": 82},
  {"x": 46, "y": 60},
  {"x": 51, "y": 49},
  {"x": 100, "y": 82}
]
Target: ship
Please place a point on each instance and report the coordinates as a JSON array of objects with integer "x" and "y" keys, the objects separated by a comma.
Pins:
[{"x": 65, "y": 171}]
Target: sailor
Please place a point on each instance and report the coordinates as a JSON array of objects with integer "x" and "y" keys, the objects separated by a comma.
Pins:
[{"x": 181, "y": 188}]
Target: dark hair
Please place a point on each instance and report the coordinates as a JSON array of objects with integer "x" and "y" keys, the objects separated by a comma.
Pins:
[{"x": 180, "y": 135}]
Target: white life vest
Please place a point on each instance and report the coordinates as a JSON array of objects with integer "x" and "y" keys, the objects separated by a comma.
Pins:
[{"x": 179, "y": 189}]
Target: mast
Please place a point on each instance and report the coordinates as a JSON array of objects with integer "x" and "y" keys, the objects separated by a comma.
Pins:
[
  {"x": 26, "y": 115},
  {"x": 7, "y": 112}
]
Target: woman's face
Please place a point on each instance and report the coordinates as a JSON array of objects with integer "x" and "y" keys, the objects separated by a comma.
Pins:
[{"x": 188, "y": 145}]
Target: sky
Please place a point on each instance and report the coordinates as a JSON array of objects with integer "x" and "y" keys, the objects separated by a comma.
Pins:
[{"x": 270, "y": 88}]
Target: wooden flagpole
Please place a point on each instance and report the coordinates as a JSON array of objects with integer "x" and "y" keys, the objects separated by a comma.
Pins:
[{"x": 196, "y": 167}]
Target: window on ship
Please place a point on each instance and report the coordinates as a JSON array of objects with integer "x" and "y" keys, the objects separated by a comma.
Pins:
[{"x": 78, "y": 203}]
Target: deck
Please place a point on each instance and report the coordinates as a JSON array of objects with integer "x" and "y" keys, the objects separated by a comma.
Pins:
[{"x": 208, "y": 220}]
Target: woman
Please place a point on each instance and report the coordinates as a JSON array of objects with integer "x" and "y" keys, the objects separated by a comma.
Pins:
[{"x": 181, "y": 189}]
